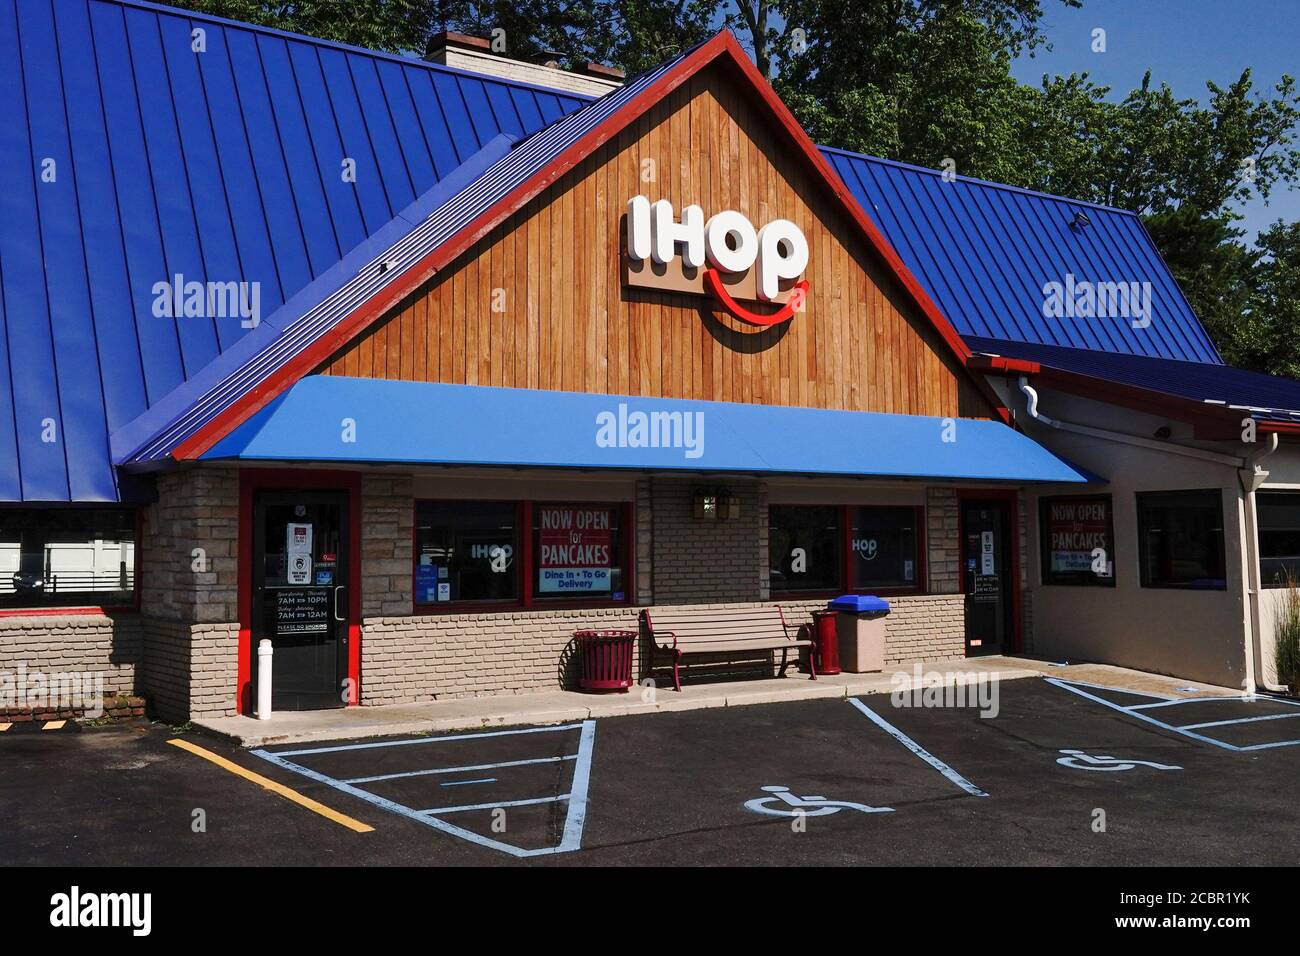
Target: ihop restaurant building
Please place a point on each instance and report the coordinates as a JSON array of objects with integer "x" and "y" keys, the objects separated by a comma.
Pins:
[{"x": 416, "y": 366}]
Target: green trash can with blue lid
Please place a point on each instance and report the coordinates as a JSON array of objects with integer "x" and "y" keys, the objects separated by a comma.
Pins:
[{"x": 860, "y": 631}]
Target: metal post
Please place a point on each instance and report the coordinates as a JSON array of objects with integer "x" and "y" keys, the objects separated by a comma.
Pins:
[{"x": 264, "y": 653}]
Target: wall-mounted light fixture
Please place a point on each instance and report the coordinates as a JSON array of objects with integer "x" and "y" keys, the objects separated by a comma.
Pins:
[{"x": 715, "y": 504}]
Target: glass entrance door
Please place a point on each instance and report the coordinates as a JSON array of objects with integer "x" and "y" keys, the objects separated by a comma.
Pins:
[
  {"x": 300, "y": 601},
  {"x": 986, "y": 571}
]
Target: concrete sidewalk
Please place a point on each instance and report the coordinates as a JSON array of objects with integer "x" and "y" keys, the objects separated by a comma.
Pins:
[{"x": 551, "y": 707}]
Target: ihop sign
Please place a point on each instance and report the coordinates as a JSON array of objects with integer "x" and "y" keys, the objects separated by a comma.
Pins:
[{"x": 724, "y": 257}]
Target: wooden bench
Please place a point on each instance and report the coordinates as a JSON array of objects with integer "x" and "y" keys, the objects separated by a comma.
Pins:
[{"x": 689, "y": 629}]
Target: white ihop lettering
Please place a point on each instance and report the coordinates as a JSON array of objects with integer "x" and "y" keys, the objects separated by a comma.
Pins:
[{"x": 728, "y": 241}]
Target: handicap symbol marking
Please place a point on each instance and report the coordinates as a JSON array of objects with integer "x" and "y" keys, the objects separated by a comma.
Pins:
[
  {"x": 576, "y": 798},
  {"x": 1079, "y": 760},
  {"x": 810, "y": 806}
]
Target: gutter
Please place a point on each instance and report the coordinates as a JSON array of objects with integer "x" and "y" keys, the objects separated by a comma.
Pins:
[
  {"x": 1249, "y": 473},
  {"x": 1031, "y": 397}
]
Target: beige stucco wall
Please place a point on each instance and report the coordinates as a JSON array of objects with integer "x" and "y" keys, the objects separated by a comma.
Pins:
[{"x": 1199, "y": 635}]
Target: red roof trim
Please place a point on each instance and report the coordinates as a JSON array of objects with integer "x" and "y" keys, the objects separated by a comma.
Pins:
[
  {"x": 1002, "y": 364},
  {"x": 723, "y": 45}
]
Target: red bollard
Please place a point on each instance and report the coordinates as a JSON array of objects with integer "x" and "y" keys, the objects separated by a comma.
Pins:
[{"x": 827, "y": 646}]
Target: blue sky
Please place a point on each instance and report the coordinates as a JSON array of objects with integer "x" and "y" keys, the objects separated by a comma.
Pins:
[{"x": 1183, "y": 43}]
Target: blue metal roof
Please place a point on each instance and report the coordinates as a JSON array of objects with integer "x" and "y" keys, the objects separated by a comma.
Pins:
[
  {"x": 304, "y": 322},
  {"x": 481, "y": 425},
  {"x": 1266, "y": 397},
  {"x": 127, "y": 158},
  {"x": 984, "y": 251}
]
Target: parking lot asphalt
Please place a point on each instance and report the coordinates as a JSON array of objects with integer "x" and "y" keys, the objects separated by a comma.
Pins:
[{"x": 1062, "y": 775}]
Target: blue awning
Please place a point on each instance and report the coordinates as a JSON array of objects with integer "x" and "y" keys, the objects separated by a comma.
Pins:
[{"x": 337, "y": 419}]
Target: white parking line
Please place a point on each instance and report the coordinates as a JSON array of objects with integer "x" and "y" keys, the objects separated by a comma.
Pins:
[{"x": 917, "y": 749}]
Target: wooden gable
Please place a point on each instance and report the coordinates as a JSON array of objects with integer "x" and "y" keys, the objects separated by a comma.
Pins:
[{"x": 540, "y": 301}]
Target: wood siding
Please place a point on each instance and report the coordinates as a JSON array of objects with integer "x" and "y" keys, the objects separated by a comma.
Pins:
[{"x": 539, "y": 303}]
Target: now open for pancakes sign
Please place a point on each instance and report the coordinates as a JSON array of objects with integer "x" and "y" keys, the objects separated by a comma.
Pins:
[{"x": 575, "y": 549}]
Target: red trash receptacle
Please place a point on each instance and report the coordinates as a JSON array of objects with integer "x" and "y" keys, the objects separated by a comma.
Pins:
[
  {"x": 606, "y": 659},
  {"x": 827, "y": 642}
]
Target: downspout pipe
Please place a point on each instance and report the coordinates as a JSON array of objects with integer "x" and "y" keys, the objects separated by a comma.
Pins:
[{"x": 1251, "y": 476}]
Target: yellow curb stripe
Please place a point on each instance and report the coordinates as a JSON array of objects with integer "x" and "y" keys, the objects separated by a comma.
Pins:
[
  {"x": 54, "y": 725},
  {"x": 339, "y": 818}
]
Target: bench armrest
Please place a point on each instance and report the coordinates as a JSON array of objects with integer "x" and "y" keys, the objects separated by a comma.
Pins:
[{"x": 655, "y": 634}]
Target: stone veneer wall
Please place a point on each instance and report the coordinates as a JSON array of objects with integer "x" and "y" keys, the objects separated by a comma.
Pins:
[
  {"x": 943, "y": 540},
  {"x": 387, "y": 545},
  {"x": 190, "y": 567},
  {"x": 1026, "y": 594},
  {"x": 189, "y": 596}
]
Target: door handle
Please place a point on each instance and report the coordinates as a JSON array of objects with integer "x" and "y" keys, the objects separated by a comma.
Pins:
[{"x": 341, "y": 587}]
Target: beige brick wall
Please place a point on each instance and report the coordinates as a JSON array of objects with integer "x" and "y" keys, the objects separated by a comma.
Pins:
[
  {"x": 405, "y": 659},
  {"x": 929, "y": 627},
  {"x": 190, "y": 670},
  {"x": 437, "y": 657},
  {"x": 110, "y": 645},
  {"x": 706, "y": 561}
]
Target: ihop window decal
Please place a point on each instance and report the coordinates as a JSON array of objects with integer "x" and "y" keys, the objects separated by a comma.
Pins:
[{"x": 724, "y": 257}]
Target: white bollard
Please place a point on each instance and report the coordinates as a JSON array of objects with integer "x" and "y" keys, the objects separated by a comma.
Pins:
[{"x": 264, "y": 653}]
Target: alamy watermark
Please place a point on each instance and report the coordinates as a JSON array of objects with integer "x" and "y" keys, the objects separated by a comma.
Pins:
[
  {"x": 78, "y": 909},
  {"x": 21, "y": 689},
  {"x": 636, "y": 429},
  {"x": 181, "y": 299},
  {"x": 1075, "y": 299},
  {"x": 922, "y": 688}
]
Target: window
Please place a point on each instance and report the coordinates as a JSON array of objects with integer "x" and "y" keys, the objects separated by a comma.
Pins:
[
  {"x": 67, "y": 557},
  {"x": 1180, "y": 539},
  {"x": 1077, "y": 540},
  {"x": 466, "y": 551},
  {"x": 578, "y": 551},
  {"x": 809, "y": 546},
  {"x": 884, "y": 548},
  {"x": 803, "y": 546},
  {"x": 519, "y": 553},
  {"x": 1278, "y": 517}
]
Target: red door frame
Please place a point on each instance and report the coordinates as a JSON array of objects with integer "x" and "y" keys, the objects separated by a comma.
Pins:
[
  {"x": 1011, "y": 497},
  {"x": 291, "y": 479}
]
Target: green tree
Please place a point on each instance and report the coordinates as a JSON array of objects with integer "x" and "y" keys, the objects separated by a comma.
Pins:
[{"x": 1268, "y": 337}]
